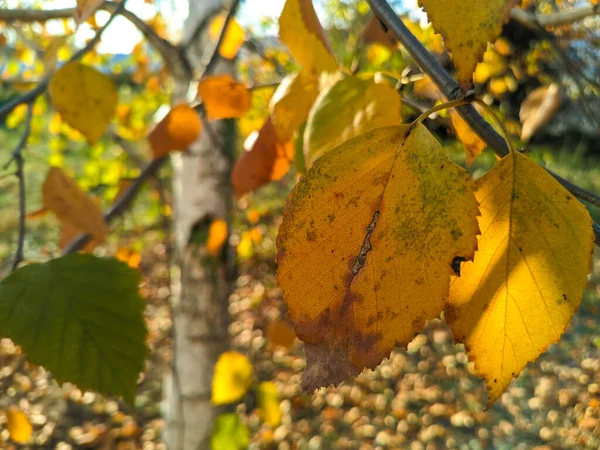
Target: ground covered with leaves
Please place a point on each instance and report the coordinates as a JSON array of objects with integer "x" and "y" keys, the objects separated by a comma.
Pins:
[{"x": 425, "y": 398}]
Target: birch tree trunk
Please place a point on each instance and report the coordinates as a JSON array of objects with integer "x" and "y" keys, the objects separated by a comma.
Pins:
[{"x": 201, "y": 282}]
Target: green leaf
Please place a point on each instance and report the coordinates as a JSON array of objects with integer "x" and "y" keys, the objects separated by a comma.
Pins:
[
  {"x": 81, "y": 317},
  {"x": 229, "y": 433}
]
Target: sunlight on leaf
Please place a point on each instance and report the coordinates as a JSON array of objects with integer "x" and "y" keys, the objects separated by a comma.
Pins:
[
  {"x": 85, "y": 98},
  {"x": 18, "y": 425},
  {"x": 538, "y": 108},
  {"x": 81, "y": 317},
  {"x": 234, "y": 36},
  {"x": 467, "y": 26},
  {"x": 366, "y": 247},
  {"x": 224, "y": 97},
  {"x": 175, "y": 132},
  {"x": 526, "y": 282},
  {"x": 63, "y": 196},
  {"x": 232, "y": 378},
  {"x": 301, "y": 31}
]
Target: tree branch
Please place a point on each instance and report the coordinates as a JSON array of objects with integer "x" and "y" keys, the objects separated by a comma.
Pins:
[
  {"x": 30, "y": 96},
  {"x": 532, "y": 20},
  {"x": 451, "y": 89},
  {"x": 17, "y": 156}
]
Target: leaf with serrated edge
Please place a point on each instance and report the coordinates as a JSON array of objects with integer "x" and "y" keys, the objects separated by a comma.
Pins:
[
  {"x": 366, "y": 246},
  {"x": 301, "y": 31},
  {"x": 519, "y": 294},
  {"x": 81, "y": 317},
  {"x": 467, "y": 26}
]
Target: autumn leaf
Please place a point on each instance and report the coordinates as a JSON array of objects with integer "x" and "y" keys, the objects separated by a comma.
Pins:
[
  {"x": 232, "y": 378},
  {"x": 175, "y": 132},
  {"x": 85, "y": 8},
  {"x": 374, "y": 33},
  {"x": 51, "y": 53},
  {"x": 526, "y": 282},
  {"x": 224, "y": 97},
  {"x": 265, "y": 159},
  {"x": 425, "y": 87},
  {"x": 64, "y": 197},
  {"x": 280, "y": 332},
  {"x": 85, "y": 98},
  {"x": 234, "y": 36},
  {"x": 467, "y": 26},
  {"x": 18, "y": 425},
  {"x": 129, "y": 257},
  {"x": 229, "y": 433},
  {"x": 351, "y": 106},
  {"x": 217, "y": 236},
  {"x": 268, "y": 404},
  {"x": 291, "y": 103},
  {"x": 538, "y": 108},
  {"x": 366, "y": 247},
  {"x": 68, "y": 232},
  {"x": 472, "y": 143},
  {"x": 302, "y": 33}
]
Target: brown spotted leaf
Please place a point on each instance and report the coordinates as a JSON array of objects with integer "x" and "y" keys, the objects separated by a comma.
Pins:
[{"x": 366, "y": 247}]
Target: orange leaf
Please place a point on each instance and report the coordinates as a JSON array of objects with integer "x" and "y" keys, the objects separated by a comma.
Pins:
[
  {"x": 37, "y": 213},
  {"x": 68, "y": 232},
  {"x": 64, "y": 197},
  {"x": 177, "y": 131},
  {"x": 18, "y": 425},
  {"x": 217, "y": 236},
  {"x": 128, "y": 256},
  {"x": 234, "y": 36},
  {"x": 281, "y": 333},
  {"x": 224, "y": 97},
  {"x": 265, "y": 160}
]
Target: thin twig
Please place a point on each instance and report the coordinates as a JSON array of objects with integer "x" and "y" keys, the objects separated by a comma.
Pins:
[
  {"x": 30, "y": 96},
  {"x": 214, "y": 57},
  {"x": 450, "y": 88},
  {"x": 553, "y": 19}
]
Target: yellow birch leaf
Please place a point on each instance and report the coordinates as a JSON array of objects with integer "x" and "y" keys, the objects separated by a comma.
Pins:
[
  {"x": 64, "y": 197},
  {"x": 292, "y": 102},
  {"x": 175, "y": 132},
  {"x": 85, "y": 8},
  {"x": 538, "y": 108},
  {"x": 265, "y": 159},
  {"x": 224, "y": 97},
  {"x": 473, "y": 144},
  {"x": 85, "y": 98},
  {"x": 467, "y": 26},
  {"x": 232, "y": 378},
  {"x": 234, "y": 36},
  {"x": 18, "y": 425},
  {"x": 302, "y": 33},
  {"x": 366, "y": 247},
  {"x": 217, "y": 236},
  {"x": 350, "y": 107},
  {"x": 268, "y": 404},
  {"x": 519, "y": 294}
]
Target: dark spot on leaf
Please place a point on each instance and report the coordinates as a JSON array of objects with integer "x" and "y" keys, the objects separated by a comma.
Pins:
[{"x": 456, "y": 264}]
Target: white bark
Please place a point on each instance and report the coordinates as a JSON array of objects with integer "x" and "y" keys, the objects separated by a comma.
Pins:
[{"x": 202, "y": 192}]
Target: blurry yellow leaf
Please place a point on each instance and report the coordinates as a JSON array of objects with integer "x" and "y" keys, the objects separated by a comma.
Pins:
[
  {"x": 366, "y": 247},
  {"x": 229, "y": 433},
  {"x": 473, "y": 144},
  {"x": 234, "y": 36},
  {"x": 352, "y": 106},
  {"x": 281, "y": 333},
  {"x": 538, "y": 108},
  {"x": 85, "y": 8},
  {"x": 245, "y": 249},
  {"x": 177, "y": 131},
  {"x": 253, "y": 216},
  {"x": 18, "y": 425},
  {"x": 232, "y": 378},
  {"x": 301, "y": 32},
  {"x": 268, "y": 404},
  {"x": 224, "y": 97},
  {"x": 51, "y": 54},
  {"x": 498, "y": 86},
  {"x": 217, "y": 236},
  {"x": 55, "y": 125},
  {"x": 534, "y": 253},
  {"x": 129, "y": 256},
  {"x": 467, "y": 26},
  {"x": 374, "y": 33},
  {"x": 264, "y": 159},
  {"x": 16, "y": 117},
  {"x": 426, "y": 88},
  {"x": 291, "y": 104},
  {"x": 63, "y": 196},
  {"x": 85, "y": 98}
]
